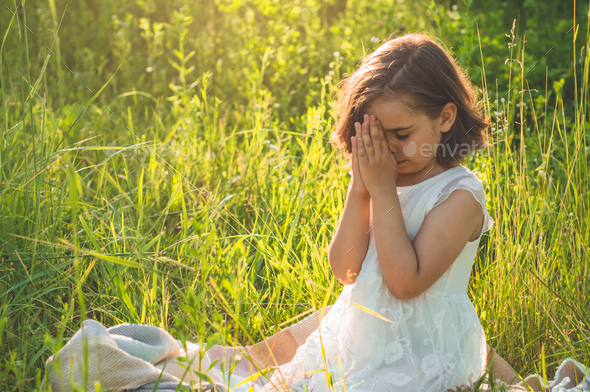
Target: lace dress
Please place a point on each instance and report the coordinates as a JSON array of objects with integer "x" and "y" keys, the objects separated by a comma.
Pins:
[{"x": 428, "y": 343}]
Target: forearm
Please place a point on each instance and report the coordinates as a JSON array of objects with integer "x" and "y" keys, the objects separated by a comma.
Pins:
[
  {"x": 351, "y": 240},
  {"x": 395, "y": 251}
]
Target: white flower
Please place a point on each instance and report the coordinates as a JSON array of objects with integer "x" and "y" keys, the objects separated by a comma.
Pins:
[
  {"x": 404, "y": 312},
  {"x": 395, "y": 351},
  {"x": 430, "y": 365},
  {"x": 374, "y": 39},
  {"x": 337, "y": 54},
  {"x": 502, "y": 100},
  {"x": 439, "y": 318},
  {"x": 397, "y": 379}
]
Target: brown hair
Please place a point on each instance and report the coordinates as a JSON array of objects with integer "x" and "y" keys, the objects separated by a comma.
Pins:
[{"x": 416, "y": 69}]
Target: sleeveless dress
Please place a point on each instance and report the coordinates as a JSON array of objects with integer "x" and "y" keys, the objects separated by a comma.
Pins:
[{"x": 428, "y": 343}]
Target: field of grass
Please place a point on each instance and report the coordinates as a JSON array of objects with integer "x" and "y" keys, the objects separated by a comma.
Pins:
[{"x": 168, "y": 163}]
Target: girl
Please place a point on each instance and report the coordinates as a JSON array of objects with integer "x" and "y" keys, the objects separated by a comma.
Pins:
[{"x": 408, "y": 235}]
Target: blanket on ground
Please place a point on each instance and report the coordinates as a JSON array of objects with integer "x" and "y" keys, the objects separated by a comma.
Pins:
[{"x": 141, "y": 358}]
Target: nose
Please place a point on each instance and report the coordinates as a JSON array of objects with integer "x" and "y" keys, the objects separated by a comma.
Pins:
[
  {"x": 393, "y": 147},
  {"x": 396, "y": 152}
]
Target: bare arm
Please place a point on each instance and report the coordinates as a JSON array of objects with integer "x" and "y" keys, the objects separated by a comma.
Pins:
[
  {"x": 410, "y": 268},
  {"x": 351, "y": 241}
]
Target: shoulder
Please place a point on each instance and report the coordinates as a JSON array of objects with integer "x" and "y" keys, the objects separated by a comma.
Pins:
[
  {"x": 461, "y": 178},
  {"x": 462, "y": 199},
  {"x": 450, "y": 223},
  {"x": 458, "y": 202}
]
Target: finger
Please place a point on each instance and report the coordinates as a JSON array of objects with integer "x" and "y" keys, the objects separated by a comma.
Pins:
[
  {"x": 376, "y": 136},
  {"x": 367, "y": 146},
  {"x": 357, "y": 127},
  {"x": 382, "y": 139},
  {"x": 361, "y": 152},
  {"x": 354, "y": 154},
  {"x": 355, "y": 158}
]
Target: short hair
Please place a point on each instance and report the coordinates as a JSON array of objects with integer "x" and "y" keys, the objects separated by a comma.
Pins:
[{"x": 415, "y": 69}]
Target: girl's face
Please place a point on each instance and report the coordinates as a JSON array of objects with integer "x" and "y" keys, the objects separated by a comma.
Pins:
[{"x": 412, "y": 138}]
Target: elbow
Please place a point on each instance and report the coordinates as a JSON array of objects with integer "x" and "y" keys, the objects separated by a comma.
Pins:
[
  {"x": 400, "y": 291},
  {"x": 398, "y": 294},
  {"x": 344, "y": 277},
  {"x": 407, "y": 295}
]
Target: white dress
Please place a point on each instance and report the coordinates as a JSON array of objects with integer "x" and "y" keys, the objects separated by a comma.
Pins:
[{"x": 431, "y": 342}]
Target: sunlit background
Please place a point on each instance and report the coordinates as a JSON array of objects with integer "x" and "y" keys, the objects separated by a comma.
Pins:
[{"x": 167, "y": 162}]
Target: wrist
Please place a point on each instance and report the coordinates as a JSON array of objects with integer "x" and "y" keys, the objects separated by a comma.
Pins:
[
  {"x": 385, "y": 192},
  {"x": 359, "y": 193}
]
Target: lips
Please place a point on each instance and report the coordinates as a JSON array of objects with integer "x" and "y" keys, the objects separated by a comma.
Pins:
[{"x": 400, "y": 162}]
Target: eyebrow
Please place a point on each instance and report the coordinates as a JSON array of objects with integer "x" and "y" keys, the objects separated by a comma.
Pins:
[{"x": 397, "y": 129}]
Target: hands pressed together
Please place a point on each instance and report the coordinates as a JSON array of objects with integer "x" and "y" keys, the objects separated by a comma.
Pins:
[{"x": 374, "y": 168}]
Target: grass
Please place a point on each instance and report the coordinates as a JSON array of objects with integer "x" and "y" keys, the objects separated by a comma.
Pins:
[{"x": 203, "y": 200}]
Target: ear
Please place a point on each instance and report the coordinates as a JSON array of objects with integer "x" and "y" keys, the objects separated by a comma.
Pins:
[{"x": 447, "y": 116}]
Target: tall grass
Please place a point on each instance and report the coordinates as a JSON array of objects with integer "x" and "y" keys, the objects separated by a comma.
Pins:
[{"x": 202, "y": 198}]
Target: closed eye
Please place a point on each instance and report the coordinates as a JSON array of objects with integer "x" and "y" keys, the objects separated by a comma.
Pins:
[{"x": 400, "y": 137}]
